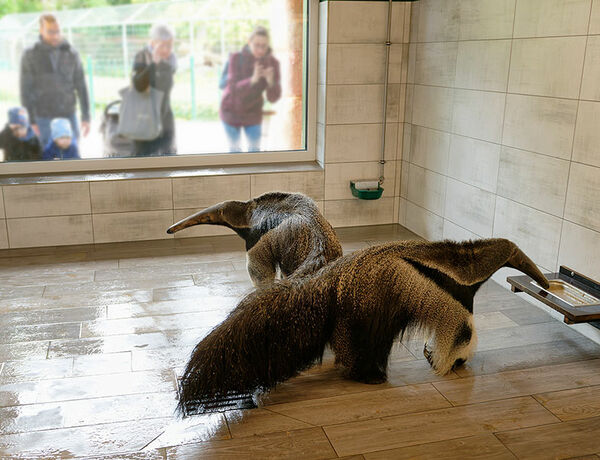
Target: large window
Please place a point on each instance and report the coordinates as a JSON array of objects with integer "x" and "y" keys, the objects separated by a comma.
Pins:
[{"x": 157, "y": 84}]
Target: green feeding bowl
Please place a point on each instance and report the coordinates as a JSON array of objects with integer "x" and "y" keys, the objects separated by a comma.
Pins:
[{"x": 366, "y": 194}]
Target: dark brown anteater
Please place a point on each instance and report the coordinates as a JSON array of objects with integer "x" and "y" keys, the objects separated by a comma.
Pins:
[
  {"x": 358, "y": 304},
  {"x": 281, "y": 230}
]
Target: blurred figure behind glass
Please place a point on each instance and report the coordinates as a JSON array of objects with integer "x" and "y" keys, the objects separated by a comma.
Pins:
[
  {"x": 52, "y": 79},
  {"x": 251, "y": 72},
  {"x": 155, "y": 66},
  {"x": 62, "y": 145},
  {"x": 17, "y": 139}
]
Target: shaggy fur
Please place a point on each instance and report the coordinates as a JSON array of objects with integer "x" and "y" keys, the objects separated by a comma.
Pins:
[
  {"x": 282, "y": 231},
  {"x": 359, "y": 305}
]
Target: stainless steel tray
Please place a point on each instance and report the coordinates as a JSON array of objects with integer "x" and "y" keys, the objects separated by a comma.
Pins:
[
  {"x": 574, "y": 295},
  {"x": 568, "y": 293}
]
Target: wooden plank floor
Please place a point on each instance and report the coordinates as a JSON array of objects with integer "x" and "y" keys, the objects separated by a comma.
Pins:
[{"x": 92, "y": 338}]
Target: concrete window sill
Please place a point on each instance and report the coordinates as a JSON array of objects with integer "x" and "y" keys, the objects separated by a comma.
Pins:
[{"x": 307, "y": 166}]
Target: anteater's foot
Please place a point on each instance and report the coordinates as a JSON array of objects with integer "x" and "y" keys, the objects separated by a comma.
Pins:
[{"x": 372, "y": 377}]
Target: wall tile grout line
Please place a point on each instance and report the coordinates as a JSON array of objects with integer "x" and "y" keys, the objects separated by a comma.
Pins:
[
  {"x": 91, "y": 213},
  {"x": 507, "y": 37},
  {"x": 504, "y": 116},
  {"x": 5, "y": 218},
  {"x": 172, "y": 203},
  {"x": 543, "y": 96}
]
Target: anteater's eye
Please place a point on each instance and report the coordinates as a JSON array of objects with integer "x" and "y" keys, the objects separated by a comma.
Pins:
[{"x": 459, "y": 362}]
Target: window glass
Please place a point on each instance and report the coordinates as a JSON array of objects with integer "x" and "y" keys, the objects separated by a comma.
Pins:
[{"x": 128, "y": 78}]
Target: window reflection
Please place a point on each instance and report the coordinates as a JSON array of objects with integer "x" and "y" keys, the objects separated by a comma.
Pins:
[{"x": 154, "y": 79}]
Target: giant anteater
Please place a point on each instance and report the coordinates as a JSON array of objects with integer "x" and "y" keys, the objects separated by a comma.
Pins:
[
  {"x": 358, "y": 304},
  {"x": 281, "y": 230}
]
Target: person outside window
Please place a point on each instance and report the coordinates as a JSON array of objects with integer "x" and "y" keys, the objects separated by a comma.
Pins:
[
  {"x": 62, "y": 145},
  {"x": 155, "y": 66},
  {"x": 52, "y": 80},
  {"x": 251, "y": 72},
  {"x": 18, "y": 140}
]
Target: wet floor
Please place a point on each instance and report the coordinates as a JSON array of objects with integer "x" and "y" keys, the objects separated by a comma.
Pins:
[{"x": 93, "y": 337}]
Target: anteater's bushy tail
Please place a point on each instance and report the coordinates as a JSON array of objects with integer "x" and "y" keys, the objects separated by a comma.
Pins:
[{"x": 273, "y": 334}]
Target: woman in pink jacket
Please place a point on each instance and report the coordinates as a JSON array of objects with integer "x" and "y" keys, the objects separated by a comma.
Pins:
[{"x": 251, "y": 72}]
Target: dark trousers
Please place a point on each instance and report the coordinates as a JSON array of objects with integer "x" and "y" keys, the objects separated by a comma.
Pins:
[{"x": 162, "y": 145}]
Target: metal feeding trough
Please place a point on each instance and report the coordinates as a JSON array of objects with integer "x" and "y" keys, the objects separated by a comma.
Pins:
[{"x": 572, "y": 294}]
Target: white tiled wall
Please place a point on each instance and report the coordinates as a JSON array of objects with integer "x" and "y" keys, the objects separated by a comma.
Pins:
[
  {"x": 478, "y": 114},
  {"x": 132, "y": 226},
  {"x": 513, "y": 134},
  {"x": 474, "y": 162},
  {"x": 47, "y": 200},
  {"x": 347, "y": 213},
  {"x": 587, "y": 134},
  {"x": 353, "y": 50},
  {"x": 350, "y": 92},
  {"x": 470, "y": 207},
  {"x": 576, "y": 249},
  {"x": 3, "y": 234},
  {"x": 426, "y": 188},
  {"x": 590, "y": 86},
  {"x": 201, "y": 192},
  {"x": 432, "y": 107},
  {"x": 131, "y": 195},
  {"x": 538, "y": 181},
  {"x": 429, "y": 148},
  {"x": 485, "y": 19},
  {"x": 583, "y": 203},
  {"x": 547, "y": 66},
  {"x": 482, "y": 64},
  {"x": 310, "y": 184},
  {"x": 50, "y": 231},
  {"x": 544, "y": 18}
]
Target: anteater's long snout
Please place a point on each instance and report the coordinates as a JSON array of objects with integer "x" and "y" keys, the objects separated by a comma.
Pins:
[
  {"x": 520, "y": 261},
  {"x": 212, "y": 215}
]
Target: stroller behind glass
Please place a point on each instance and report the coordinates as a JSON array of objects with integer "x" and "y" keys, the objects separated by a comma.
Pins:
[{"x": 114, "y": 145}]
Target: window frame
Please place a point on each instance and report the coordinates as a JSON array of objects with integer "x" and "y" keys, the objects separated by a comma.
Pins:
[{"x": 202, "y": 160}]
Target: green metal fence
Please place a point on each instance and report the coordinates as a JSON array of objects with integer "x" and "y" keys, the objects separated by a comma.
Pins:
[{"x": 108, "y": 38}]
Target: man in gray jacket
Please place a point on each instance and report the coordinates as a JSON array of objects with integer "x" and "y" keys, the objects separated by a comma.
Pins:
[{"x": 52, "y": 79}]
